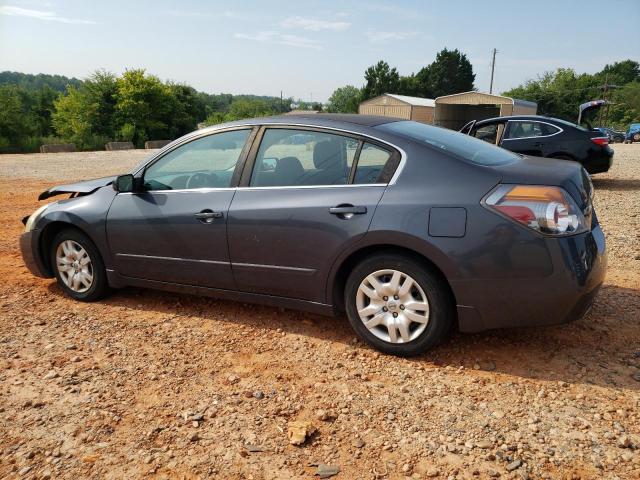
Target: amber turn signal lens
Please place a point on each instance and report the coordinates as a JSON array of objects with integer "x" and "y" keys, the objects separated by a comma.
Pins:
[{"x": 535, "y": 193}]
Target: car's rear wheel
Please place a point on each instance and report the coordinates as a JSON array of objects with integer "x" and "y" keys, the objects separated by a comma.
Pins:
[
  {"x": 78, "y": 266},
  {"x": 398, "y": 305},
  {"x": 636, "y": 137}
]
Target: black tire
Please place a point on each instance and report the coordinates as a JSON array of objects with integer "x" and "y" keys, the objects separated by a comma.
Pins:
[
  {"x": 99, "y": 286},
  {"x": 441, "y": 315}
]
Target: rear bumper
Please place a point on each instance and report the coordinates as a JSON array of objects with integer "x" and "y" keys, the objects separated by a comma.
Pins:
[
  {"x": 30, "y": 254},
  {"x": 600, "y": 163},
  {"x": 579, "y": 265}
]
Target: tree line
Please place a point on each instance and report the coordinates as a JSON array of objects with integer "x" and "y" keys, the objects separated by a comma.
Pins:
[
  {"x": 558, "y": 94},
  {"x": 450, "y": 72},
  {"x": 135, "y": 106}
]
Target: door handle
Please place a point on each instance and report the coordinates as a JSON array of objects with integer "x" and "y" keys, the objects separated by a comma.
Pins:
[
  {"x": 207, "y": 216},
  {"x": 348, "y": 210}
]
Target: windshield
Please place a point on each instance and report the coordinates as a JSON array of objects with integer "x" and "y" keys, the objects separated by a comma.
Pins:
[{"x": 464, "y": 146}]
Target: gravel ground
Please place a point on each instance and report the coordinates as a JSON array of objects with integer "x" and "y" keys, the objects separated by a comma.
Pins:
[{"x": 156, "y": 385}]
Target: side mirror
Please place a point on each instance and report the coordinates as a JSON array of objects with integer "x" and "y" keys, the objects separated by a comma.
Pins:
[{"x": 124, "y": 183}]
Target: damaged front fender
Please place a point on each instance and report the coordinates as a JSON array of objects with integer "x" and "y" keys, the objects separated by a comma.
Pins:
[{"x": 84, "y": 188}]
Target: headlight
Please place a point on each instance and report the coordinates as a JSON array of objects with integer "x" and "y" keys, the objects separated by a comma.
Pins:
[
  {"x": 34, "y": 216},
  {"x": 549, "y": 210}
]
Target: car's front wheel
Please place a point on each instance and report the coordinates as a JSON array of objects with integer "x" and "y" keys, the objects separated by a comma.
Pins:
[
  {"x": 78, "y": 266},
  {"x": 398, "y": 305}
]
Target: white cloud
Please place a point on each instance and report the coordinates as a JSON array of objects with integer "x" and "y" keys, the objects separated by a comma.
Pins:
[
  {"x": 313, "y": 24},
  {"x": 386, "y": 37},
  {"x": 283, "y": 39},
  {"x": 199, "y": 14},
  {"x": 41, "y": 15}
]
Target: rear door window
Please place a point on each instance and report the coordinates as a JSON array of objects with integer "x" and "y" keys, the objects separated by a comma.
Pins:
[
  {"x": 371, "y": 164},
  {"x": 289, "y": 157},
  {"x": 299, "y": 158},
  {"x": 529, "y": 129}
]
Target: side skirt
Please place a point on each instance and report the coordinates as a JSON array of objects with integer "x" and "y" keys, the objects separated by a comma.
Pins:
[{"x": 119, "y": 281}]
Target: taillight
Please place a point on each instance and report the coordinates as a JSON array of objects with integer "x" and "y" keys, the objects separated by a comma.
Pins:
[
  {"x": 547, "y": 209},
  {"x": 600, "y": 141}
]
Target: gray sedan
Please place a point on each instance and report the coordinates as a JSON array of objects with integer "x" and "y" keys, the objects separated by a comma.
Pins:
[{"x": 410, "y": 229}]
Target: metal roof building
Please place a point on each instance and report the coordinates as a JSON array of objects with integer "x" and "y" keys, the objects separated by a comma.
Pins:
[
  {"x": 454, "y": 111},
  {"x": 399, "y": 106}
]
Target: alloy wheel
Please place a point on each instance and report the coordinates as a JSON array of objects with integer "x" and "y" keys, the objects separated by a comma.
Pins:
[
  {"x": 393, "y": 306},
  {"x": 74, "y": 265}
]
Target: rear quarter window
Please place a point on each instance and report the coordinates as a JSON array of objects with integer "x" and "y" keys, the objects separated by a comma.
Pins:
[{"x": 464, "y": 146}]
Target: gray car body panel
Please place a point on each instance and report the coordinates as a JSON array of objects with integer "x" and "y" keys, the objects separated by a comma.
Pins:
[{"x": 280, "y": 246}]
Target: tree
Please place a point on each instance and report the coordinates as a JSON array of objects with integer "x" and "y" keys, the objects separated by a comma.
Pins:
[
  {"x": 187, "y": 109},
  {"x": 101, "y": 89},
  {"x": 626, "y": 106},
  {"x": 620, "y": 73},
  {"x": 450, "y": 73},
  {"x": 409, "y": 85},
  {"x": 72, "y": 118},
  {"x": 16, "y": 122},
  {"x": 143, "y": 106},
  {"x": 242, "y": 108},
  {"x": 85, "y": 115},
  {"x": 558, "y": 94},
  {"x": 345, "y": 100},
  {"x": 380, "y": 79}
]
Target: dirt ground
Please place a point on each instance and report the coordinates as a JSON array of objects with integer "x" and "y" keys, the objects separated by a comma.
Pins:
[{"x": 156, "y": 385}]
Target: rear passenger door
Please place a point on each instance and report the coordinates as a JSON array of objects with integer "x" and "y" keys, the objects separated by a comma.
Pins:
[
  {"x": 305, "y": 194},
  {"x": 529, "y": 137}
]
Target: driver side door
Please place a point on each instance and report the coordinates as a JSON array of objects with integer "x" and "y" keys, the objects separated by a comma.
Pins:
[{"x": 176, "y": 229}]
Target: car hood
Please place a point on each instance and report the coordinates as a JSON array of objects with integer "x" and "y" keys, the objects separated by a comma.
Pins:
[
  {"x": 84, "y": 187},
  {"x": 548, "y": 171}
]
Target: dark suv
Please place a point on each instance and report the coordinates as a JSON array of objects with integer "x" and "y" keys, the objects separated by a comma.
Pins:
[
  {"x": 540, "y": 136},
  {"x": 411, "y": 229}
]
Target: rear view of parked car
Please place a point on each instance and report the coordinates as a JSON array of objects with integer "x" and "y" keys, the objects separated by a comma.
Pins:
[
  {"x": 539, "y": 136},
  {"x": 410, "y": 229},
  {"x": 614, "y": 135}
]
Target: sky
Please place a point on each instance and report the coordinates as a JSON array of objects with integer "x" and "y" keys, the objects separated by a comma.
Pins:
[{"x": 307, "y": 49}]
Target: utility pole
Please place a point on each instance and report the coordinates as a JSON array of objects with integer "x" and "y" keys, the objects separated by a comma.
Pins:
[
  {"x": 281, "y": 106},
  {"x": 493, "y": 66},
  {"x": 604, "y": 97}
]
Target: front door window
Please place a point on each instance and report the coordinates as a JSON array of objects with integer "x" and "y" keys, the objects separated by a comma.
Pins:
[{"x": 207, "y": 162}]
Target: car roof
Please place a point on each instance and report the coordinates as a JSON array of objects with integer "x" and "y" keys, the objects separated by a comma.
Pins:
[
  {"x": 334, "y": 120},
  {"x": 539, "y": 118}
]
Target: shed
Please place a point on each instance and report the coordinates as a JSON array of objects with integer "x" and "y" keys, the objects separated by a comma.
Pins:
[
  {"x": 454, "y": 111},
  {"x": 399, "y": 106}
]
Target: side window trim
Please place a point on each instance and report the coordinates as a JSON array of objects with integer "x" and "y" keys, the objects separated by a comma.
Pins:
[
  {"x": 393, "y": 163},
  {"x": 511, "y": 122},
  {"x": 140, "y": 173}
]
